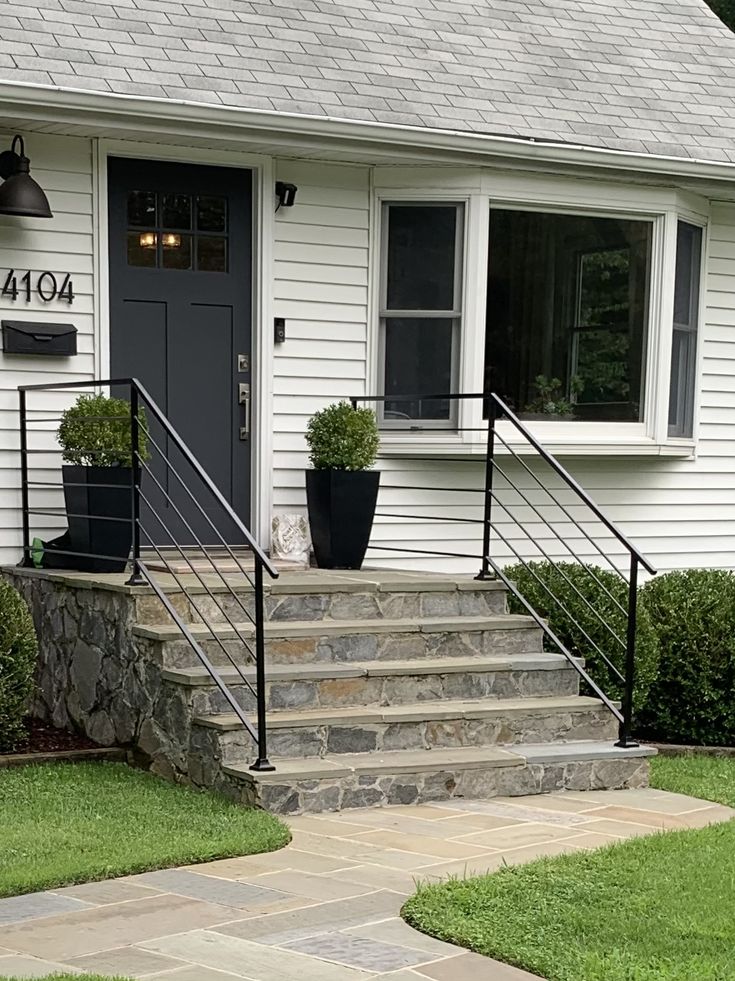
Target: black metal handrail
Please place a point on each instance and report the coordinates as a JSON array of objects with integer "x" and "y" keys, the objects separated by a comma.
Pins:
[
  {"x": 498, "y": 447},
  {"x": 142, "y": 573}
]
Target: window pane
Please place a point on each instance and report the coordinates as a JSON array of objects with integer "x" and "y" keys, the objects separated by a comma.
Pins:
[
  {"x": 211, "y": 214},
  {"x": 421, "y": 259},
  {"x": 418, "y": 361},
  {"x": 212, "y": 253},
  {"x": 142, "y": 249},
  {"x": 567, "y": 314},
  {"x": 684, "y": 338},
  {"x": 142, "y": 208},
  {"x": 176, "y": 251},
  {"x": 176, "y": 211}
]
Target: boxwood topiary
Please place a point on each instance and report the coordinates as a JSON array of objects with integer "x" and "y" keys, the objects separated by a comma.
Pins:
[
  {"x": 18, "y": 652},
  {"x": 342, "y": 438},
  {"x": 569, "y": 626},
  {"x": 95, "y": 431},
  {"x": 693, "y": 700}
]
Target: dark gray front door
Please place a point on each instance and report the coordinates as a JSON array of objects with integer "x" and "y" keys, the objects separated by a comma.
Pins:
[{"x": 180, "y": 321}]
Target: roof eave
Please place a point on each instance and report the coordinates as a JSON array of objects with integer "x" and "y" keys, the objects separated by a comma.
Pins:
[{"x": 150, "y": 114}]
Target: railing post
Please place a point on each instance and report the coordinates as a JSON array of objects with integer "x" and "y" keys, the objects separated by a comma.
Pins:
[
  {"x": 136, "y": 578},
  {"x": 484, "y": 572},
  {"x": 262, "y": 763},
  {"x": 626, "y": 740},
  {"x": 27, "y": 560}
]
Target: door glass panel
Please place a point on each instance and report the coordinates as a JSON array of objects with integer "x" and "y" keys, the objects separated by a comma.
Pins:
[
  {"x": 176, "y": 211},
  {"x": 211, "y": 253},
  {"x": 211, "y": 214},
  {"x": 176, "y": 251},
  {"x": 142, "y": 250},
  {"x": 142, "y": 208}
]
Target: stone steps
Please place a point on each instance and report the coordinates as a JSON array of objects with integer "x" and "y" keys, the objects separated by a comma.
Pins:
[
  {"x": 348, "y": 640},
  {"x": 375, "y": 779},
  {"x": 383, "y": 682},
  {"x": 416, "y": 726}
]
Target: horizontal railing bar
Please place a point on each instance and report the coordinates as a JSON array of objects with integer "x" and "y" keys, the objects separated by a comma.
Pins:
[
  {"x": 555, "y": 640},
  {"x": 56, "y": 513},
  {"x": 81, "y": 555},
  {"x": 70, "y": 483},
  {"x": 428, "y": 517},
  {"x": 423, "y": 551},
  {"x": 211, "y": 670},
  {"x": 87, "y": 383}
]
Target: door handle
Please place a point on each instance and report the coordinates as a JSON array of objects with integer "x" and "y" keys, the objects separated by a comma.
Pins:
[{"x": 243, "y": 397}]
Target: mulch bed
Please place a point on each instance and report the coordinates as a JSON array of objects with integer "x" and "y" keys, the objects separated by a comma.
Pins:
[{"x": 44, "y": 738}]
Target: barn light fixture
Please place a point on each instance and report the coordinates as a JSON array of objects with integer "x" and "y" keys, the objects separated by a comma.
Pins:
[
  {"x": 286, "y": 194},
  {"x": 20, "y": 194}
]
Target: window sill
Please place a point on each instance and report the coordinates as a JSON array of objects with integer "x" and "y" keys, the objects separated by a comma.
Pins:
[{"x": 456, "y": 448}]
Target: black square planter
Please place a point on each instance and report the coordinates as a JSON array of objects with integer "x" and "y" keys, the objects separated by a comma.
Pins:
[
  {"x": 93, "y": 496},
  {"x": 341, "y": 510}
]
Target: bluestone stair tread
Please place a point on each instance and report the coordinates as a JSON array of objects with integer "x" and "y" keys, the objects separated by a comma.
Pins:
[
  {"x": 422, "y": 761},
  {"x": 412, "y": 712},
  {"x": 200, "y": 677},
  {"x": 336, "y": 628}
]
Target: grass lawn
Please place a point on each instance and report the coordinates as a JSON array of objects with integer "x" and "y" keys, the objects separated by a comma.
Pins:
[
  {"x": 649, "y": 909},
  {"x": 80, "y": 822}
]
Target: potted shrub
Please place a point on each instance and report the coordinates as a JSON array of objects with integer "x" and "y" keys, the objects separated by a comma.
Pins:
[
  {"x": 341, "y": 490},
  {"x": 550, "y": 401},
  {"x": 97, "y": 474}
]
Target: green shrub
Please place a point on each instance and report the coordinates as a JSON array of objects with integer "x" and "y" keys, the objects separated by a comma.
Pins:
[
  {"x": 18, "y": 652},
  {"x": 570, "y": 627},
  {"x": 693, "y": 700},
  {"x": 95, "y": 431},
  {"x": 342, "y": 438}
]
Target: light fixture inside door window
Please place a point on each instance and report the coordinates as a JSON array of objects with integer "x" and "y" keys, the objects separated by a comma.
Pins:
[
  {"x": 171, "y": 240},
  {"x": 148, "y": 240}
]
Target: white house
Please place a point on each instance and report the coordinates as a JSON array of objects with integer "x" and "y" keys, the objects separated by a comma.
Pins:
[{"x": 486, "y": 192}]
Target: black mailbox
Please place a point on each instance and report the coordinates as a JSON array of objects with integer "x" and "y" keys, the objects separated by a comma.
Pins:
[{"x": 48, "y": 340}]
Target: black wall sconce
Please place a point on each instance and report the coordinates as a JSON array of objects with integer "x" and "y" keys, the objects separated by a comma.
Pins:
[
  {"x": 20, "y": 194},
  {"x": 286, "y": 194}
]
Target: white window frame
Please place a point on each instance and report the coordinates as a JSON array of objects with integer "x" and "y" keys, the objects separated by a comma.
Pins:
[{"x": 664, "y": 207}]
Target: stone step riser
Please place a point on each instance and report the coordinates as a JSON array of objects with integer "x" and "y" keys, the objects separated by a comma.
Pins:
[
  {"x": 288, "y": 607},
  {"x": 392, "y": 690},
  {"x": 367, "y": 790},
  {"x": 516, "y": 727},
  {"x": 347, "y": 648}
]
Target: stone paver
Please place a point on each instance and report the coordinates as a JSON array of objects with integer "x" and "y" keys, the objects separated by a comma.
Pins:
[{"x": 326, "y": 908}]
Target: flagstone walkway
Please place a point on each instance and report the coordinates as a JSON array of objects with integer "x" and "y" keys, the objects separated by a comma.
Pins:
[{"x": 326, "y": 908}]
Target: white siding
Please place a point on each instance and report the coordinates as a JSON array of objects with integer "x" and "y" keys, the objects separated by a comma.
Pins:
[
  {"x": 321, "y": 288},
  {"x": 64, "y": 243}
]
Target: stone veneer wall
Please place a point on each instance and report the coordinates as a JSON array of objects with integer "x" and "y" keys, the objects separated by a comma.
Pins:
[{"x": 96, "y": 677}]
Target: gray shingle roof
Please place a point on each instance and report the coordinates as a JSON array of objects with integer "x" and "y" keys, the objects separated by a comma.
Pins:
[{"x": 655, "y": 76}]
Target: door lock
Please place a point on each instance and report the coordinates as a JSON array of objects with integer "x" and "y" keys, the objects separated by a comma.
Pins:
[
  {"x": 243, "y": 362},
  {"x": 243, "y": 397}
]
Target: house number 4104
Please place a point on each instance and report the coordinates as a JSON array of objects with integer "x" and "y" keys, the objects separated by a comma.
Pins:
[{"x": 46, "y": 285}]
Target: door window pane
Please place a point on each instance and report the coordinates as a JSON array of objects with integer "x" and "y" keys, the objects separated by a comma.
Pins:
[
  {"x": 211, "y": 253},
  {"x": 421, "y": 247},
  {"x": 176, "y": 251},
  {"x": 418, "y": 361},
  {"x": 567, "y": 313},
  {"x": 142, "y": 249},
  {"x": 142, "y": 208},
  {"x": 176, "y": 211},
  {"x": 211, "y": 214}
]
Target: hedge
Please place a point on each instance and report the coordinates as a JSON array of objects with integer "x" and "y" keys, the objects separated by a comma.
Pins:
[
  {"x": 18, "y": 653},
  {"x": 693, "y": 700},
  {"x": 566, "y": 580}
]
